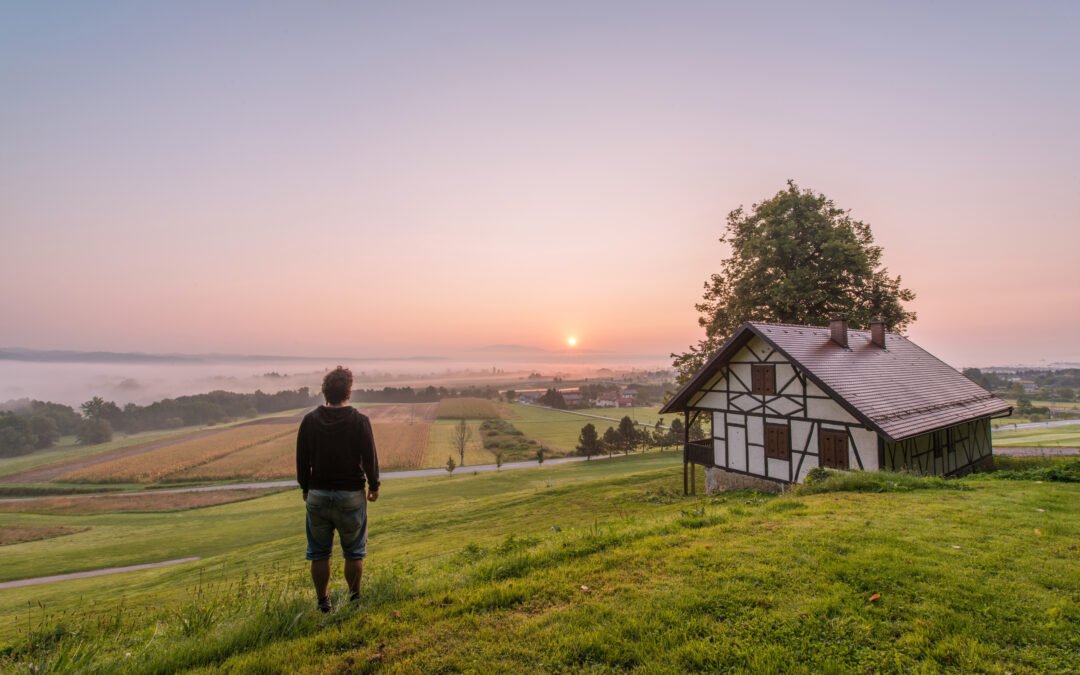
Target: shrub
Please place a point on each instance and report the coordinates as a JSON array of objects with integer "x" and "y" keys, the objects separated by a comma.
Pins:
[
  {"x": 874, "y": 481},
  {"x": 1066, "y": 471},
  {"x": 95, "y": 431}
]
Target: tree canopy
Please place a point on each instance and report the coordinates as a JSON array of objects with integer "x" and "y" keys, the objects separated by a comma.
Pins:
[{"x": 795, "y": 258}]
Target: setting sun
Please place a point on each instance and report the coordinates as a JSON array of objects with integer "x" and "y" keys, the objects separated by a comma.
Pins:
[{"x": 571, "y": 341}]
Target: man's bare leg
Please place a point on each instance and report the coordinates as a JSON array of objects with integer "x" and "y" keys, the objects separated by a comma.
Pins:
[
  {"x": 320, "y": 576},
  {"x": 354, "y": 569}
]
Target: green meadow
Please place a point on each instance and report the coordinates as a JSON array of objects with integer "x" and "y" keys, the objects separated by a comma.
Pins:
[
  {"x": 592, "y": 567},
  {"x": 1050, "y": 437},
  {"x": 561, "y": 428}
]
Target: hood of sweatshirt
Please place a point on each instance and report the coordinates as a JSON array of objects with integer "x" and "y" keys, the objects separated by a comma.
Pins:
[{"x": 331, "y": 419}]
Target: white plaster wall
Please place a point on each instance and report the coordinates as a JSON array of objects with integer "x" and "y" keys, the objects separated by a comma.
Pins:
[
  {"x": 810, "y": 462},
  {"x": 711, "y": 400},
  {"x": 783, "y": 405},
  {"x": 744, "y": 402},
  {"x": 736, "y": 444},
  {"x": 719, "y": 452},
  {"x": 866, "y": 441},
  {"x": 799, "y": 432},
  {"x": 758, "y": 346},
  {"x": 785, "y": 375},
  {"x": 742, "y": 380},
  {"x": 755, "y": 430},
  {"x": 757, "y": 461},
  {"x": 828, "y": 409},
  {"x": 778, "y": 468},
  {"x": 719, "y": 424}
]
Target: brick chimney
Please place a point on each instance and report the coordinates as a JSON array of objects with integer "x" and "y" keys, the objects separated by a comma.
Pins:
[
  {"x": 877, "y": 331},
  {"x": 838, "y": 330}
]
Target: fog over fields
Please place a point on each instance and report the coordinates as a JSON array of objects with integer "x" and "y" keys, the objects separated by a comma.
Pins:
[{"x": 73, "y": 377}]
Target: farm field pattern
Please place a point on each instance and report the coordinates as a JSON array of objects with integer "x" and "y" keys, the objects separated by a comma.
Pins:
[
  {"x": 408, "y": 436},
  {"x": 175, "y": 458}
]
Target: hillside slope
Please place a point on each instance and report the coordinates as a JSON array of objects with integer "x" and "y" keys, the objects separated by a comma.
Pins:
[{"x": 609, "y": 568}]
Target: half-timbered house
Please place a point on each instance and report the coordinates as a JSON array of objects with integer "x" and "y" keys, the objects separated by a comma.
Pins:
[{"x": 784, "y": 399}]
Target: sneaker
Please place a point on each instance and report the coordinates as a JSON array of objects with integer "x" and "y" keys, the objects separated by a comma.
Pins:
[
  {"x": 354, "y": 597},
  {"x": 324, "y": 605}
]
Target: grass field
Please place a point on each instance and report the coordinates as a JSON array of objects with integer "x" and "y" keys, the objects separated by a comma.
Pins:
[
  {"x": 1051, "y": 437},
  {"x": 594, "y": 567},
  {"x": 560, "y": 429}
]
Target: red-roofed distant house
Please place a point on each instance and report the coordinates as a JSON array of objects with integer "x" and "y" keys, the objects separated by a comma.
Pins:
[{"x": 784, "y": 399}]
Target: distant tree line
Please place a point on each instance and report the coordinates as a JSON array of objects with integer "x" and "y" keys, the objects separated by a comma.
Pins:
[
  {"x": 27, "y": 426},
  {"x": 429, "y": 394},
  {"x": 630, "y": 436},
  {"x": 1050, "y": 385}
]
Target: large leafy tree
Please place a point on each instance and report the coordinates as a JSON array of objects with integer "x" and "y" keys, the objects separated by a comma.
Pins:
[{"x": 795, "y": 258}]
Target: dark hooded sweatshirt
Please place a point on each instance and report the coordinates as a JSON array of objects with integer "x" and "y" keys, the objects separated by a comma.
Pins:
[{"x": 335, "y": 449}]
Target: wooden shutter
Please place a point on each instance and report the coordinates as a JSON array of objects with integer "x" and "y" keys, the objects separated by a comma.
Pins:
[
  {"x": 763, "y": 379},
  {"x": 833, "y": 449},
  {"x": 777, "y": 441}
]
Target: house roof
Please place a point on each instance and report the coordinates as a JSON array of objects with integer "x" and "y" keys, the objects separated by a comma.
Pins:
[{"x": 900, "y": 392}]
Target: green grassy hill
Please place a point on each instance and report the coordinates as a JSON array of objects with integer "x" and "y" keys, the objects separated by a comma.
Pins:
[{"x": 594, "y": 567}]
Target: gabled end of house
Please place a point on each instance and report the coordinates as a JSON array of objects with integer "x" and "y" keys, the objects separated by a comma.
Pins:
[{"x": 784, "y": 399}]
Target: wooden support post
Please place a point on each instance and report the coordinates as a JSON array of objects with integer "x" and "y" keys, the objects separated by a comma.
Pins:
[{"x": 686, "y": 449}]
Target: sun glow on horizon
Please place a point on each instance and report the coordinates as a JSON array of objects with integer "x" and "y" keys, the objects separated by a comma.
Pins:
[{"x": 571, "y": 341}]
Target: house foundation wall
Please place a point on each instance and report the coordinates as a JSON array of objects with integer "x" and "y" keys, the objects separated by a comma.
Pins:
[{"x": 719, "y": 480}]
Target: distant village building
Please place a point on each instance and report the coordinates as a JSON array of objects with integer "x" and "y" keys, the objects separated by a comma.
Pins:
[
  {"x": 530, "y": 396},
  {"x": 607, "y": 399},
  {"x": 572, "y": 398},
  {"x": 784, "y": 399}
]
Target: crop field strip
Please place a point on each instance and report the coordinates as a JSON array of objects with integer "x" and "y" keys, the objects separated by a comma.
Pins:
[
  {"x": 19, "y": 534},
  {"x": 467, "y": 408},
  {"x": 149, "y": 467},
  {"x": 143, "y": 502}
]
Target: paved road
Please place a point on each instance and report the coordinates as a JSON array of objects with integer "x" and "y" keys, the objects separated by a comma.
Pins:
[
  {"x": 92, "y": 573},
  {"x": 1038, "y": 425}
]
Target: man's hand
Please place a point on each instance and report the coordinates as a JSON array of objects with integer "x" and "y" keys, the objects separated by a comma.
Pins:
[
  {"x": 305, "y": 496},
  {"x": 372, "y": 495}
]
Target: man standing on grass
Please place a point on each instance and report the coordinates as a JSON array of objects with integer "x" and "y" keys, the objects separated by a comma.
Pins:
[{"x": 335, "y": 451}]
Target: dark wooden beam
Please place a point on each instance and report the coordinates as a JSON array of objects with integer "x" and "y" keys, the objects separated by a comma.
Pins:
[{"x": 686, "y": 452}]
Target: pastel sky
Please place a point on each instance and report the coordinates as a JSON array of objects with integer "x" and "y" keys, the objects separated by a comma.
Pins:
[{"x": 414, "y": 178}]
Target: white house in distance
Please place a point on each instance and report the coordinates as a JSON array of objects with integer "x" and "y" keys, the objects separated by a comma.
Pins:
[{"x": 784, "y": 399}]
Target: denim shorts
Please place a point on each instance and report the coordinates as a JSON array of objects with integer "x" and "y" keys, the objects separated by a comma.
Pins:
[{"x": 344, "y": 511}]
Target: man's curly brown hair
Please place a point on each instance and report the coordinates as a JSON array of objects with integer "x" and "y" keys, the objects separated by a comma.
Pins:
[{"x": 337, "y": 385}]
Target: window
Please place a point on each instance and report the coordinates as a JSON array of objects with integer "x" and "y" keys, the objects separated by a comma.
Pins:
[
  {"x": 777, "y": 441},
  {"x": 762, "y": 379},
  {"x": 833, "y": 449}
]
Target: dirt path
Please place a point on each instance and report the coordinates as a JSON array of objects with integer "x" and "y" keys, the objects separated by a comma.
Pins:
[
  {"x": 93, "y": 573},
  {"x": 44, "y": 474}
]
